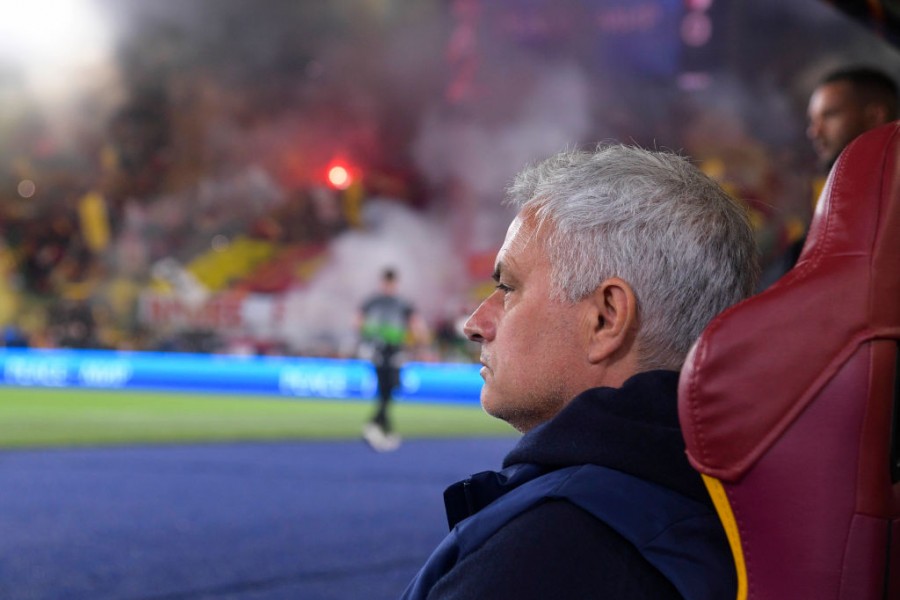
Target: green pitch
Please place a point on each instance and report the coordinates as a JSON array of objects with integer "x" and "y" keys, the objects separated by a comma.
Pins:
[{"x": 41, "y": 417}]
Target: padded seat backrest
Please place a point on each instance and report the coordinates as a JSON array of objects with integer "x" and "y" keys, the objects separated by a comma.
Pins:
[{"x": 788, "y": 400}]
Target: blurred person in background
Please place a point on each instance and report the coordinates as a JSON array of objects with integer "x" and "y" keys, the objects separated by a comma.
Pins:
[
  {"x": 616, "y": 261},
  {"x": 386, "y": 324},
  {"x": 845, "y": 104}
]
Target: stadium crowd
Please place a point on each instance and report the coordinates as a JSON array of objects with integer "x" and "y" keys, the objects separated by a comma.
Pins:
[
  {"x": 201, "y": 194},
  {"x": 80, "y": 244}
]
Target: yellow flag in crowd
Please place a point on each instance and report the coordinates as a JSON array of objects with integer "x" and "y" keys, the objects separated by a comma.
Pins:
[{"x": 94, "y": 221}]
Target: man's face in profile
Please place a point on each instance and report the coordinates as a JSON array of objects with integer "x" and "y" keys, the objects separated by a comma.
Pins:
[
  {"x": 836, "y": 118},
  {"x": 532, "y": 345}
]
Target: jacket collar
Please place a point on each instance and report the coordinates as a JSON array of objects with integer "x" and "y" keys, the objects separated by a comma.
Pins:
[{"x": 633, "y": 429}]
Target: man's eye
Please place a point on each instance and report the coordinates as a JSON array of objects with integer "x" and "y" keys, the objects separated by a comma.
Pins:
[{"x": 503, "y": 288}]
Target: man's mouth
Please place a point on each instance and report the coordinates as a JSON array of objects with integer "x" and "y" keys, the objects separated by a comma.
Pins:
[{"x": 484, "y": 367}]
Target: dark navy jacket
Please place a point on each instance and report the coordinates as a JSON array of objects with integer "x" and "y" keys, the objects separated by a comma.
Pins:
[{"x": 599, "y": 502}]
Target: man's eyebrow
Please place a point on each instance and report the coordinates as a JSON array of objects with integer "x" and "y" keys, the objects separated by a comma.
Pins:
[{"x": 496, "y": 274}]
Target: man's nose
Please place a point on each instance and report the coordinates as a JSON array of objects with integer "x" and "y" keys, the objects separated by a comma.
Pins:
[
  {"x": 480, "y": 326},
  {"x": 812, "y": 130}
]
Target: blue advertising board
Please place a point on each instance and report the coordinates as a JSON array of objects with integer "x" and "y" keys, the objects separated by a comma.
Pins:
[{"x": 284, "y": 376}]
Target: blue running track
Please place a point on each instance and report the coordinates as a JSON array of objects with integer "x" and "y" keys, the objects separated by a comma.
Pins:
[{"x": 267, "y": 521}]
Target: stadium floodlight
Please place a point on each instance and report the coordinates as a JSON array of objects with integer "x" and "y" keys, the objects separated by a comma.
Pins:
[{"x": 47, "y": 38}]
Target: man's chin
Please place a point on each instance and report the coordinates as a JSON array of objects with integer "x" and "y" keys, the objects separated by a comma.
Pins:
[
  {"x": 491, "y": 406},
  {"x": 827, "y": 164},
  {"x": 500, "y": 411},
  {"x": 486, "y": 403}
]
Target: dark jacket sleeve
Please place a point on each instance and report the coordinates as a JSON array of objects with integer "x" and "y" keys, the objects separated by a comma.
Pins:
[{"x": 555, "y": 550}]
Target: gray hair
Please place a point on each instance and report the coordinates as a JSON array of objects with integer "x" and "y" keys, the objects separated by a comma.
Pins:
[{"x": 654, "y": 220}]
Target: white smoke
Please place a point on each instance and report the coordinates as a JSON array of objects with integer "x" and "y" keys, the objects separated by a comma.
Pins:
[
  {"x": 548, "y": 111},
  {"x": 430, "y": 275}
]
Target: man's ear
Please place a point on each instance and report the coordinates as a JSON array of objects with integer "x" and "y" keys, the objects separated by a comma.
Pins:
[
  {"x": 875, "y": 114},
  {"x": 614, "y": 309}
]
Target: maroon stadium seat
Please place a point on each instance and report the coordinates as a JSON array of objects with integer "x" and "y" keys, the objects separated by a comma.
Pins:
[{"x": 789, "y": 400}]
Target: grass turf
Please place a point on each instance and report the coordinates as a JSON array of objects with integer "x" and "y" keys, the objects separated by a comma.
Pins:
[{"x": 42, "y": 417}]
